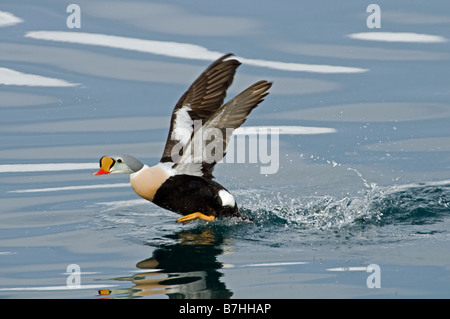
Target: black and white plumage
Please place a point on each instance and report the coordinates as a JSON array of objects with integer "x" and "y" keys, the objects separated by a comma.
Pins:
[{"x": 183, "y": 181}]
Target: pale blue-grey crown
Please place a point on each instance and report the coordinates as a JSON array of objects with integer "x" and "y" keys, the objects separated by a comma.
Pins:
[{"x": 133, "y": 163}]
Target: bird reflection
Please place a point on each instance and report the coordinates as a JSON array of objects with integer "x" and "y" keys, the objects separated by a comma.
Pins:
[{"x": 187, "y": 268}]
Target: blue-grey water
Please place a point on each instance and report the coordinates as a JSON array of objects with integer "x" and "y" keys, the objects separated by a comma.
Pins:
[{"x": 363, "y": 177}]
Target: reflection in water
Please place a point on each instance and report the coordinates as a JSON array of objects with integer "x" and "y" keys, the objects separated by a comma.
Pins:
[
  {"x": 185, "y": 269},
  {"x": 8, "y": 19},
  {"x": 179, "y": 50},
  {"x": 398, "y": 37},
  {"x": 13, "y": 77}
]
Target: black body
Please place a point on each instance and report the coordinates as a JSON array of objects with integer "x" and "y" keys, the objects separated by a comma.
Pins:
[{"x": 187, "y": 194}]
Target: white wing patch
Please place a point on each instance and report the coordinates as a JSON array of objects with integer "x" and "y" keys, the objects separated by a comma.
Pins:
[
  {"x": 226, "y": 198},
  {"x": 183, "y": 125},
  {"x": 194, "y": 169},
  {"x": 189, "y": 163}
]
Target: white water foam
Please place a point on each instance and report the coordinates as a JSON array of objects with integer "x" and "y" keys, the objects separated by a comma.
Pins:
[{"x": 417, "y": 203}]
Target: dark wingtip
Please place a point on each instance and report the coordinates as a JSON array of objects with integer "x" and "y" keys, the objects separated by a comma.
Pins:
[{"x": 224, "y": 58}]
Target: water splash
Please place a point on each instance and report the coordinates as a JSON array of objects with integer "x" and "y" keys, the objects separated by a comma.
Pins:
[
  {"x": 375, "y": 214},
  {"x": 414, "y": 204}
]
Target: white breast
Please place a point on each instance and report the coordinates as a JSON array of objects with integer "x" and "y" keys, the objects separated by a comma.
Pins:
[
  {"x": 147, "y": 181},
  {"x": 226, "y": 198}
]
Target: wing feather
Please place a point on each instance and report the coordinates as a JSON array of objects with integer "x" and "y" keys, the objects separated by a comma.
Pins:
[
  {"x": 221, "y": 125},
  {"x": 200, "y": 101}
]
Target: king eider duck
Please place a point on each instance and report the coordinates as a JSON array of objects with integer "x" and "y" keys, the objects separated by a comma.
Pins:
[{"x": 182, "y": 181}]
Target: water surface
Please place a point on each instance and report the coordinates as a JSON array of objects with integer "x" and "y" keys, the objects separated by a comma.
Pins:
[{"x": 363, "y": 176}]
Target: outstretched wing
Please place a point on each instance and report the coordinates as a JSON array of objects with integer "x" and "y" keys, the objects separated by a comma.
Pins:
[
  {"x": 199, "y": 102},
  {"x": 209, "y": 142}
]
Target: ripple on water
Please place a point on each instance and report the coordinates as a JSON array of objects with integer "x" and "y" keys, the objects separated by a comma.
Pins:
[{"x": 376, "y": 214}]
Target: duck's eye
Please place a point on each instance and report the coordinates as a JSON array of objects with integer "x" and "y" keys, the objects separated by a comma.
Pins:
[{"x": 119, "y": 160}]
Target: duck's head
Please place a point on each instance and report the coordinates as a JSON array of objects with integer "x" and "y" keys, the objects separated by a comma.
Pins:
[{"x": 120, "y": 164}]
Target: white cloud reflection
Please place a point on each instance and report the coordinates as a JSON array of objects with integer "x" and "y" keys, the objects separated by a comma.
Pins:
[
  {"x": 13, "y": 77},
  {"x": 8, "y": 19},
  {"x": 132, "y": 69},
  {"x": 46, "y": 167},
  {"x": 398, "y": 37},
  {"x": 178, "y": 50}
]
